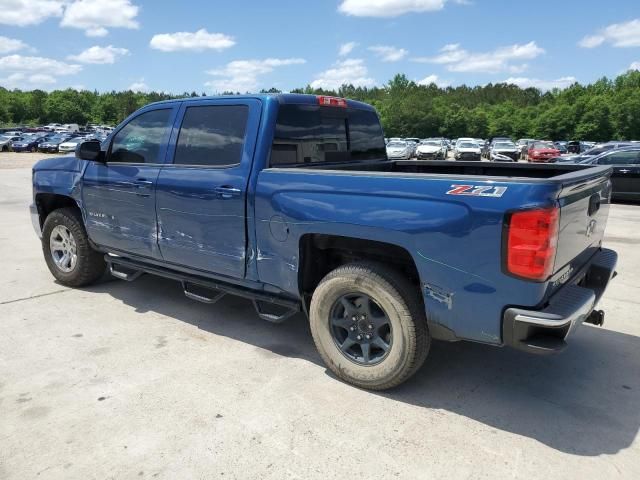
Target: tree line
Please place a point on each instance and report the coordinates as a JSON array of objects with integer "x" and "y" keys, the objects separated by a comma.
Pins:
[{"x": 604, "y": 110}]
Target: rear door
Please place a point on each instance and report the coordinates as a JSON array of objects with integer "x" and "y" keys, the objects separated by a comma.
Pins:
[
  {"x": 201, "y": 193},
  {"x": 119, "y": 195},
  {"x": 626, "y": 171}
]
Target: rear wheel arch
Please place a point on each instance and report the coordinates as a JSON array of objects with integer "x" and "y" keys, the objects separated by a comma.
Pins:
[{"x": 320, "y": 254}]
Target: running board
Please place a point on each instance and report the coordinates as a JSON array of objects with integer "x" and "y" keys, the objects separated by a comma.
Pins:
[
  {"x": 201, "y": 296},
  {"x": 129, "y": 276},
  {"x": 280, "y": 314},
  {"x": 272, "y": 308}
]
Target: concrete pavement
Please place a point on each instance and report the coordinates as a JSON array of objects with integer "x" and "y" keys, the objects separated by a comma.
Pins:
[{"x": 135, "y": 381}]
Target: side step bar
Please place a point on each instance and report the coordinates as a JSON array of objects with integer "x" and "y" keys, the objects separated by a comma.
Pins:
[{"x": 271, "y": 308}]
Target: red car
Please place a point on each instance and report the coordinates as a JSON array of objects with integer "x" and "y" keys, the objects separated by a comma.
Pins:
[{"x": 542, "y": 152}]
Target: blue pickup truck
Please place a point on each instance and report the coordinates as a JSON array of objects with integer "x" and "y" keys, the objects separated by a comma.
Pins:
[{"x": 290, "y": 201}]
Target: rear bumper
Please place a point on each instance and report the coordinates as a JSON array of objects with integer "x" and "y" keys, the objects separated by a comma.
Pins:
[{"x": 546, "y": 330}]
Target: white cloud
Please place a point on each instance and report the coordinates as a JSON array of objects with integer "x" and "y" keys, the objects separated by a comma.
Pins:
[
  {"x": 99, "y": 55},
  {"x": 29, "y": 12},
  {"x": 17, "y": 71},
  {"x": 625, "y": 34},
  {"x": 507, "y": 58},
  {"x": 428, "y": 80},
  {"x": 96, "y": 16},
  {"x": 388, "y": 53},
  {"x": 139, "y": 86},
  {"x": 523, "y": 82},
  {"x": 242, "y": 75},
  {"x": 344, "y": 72},
  {"x": 8, "y": 45},
  {"x": 22, "y": 64},
  {"x": 346, "y": 48},
  {"x": 634, "y": 66},
  {"x": 198, "y": 41},
  {"x": 388, "y": 8},
  {"x": 27, "y": 81}
]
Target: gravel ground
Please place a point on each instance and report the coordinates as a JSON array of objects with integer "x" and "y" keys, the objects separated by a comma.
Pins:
[
  {"x": 133, "y": 380},
  {"x": 22, "y": 159}
]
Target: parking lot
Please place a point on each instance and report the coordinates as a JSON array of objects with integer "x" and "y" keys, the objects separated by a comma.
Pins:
[{"x": 128, "y": 380}]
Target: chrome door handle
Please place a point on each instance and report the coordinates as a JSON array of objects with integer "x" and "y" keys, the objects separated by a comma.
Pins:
[
  {"x": 226, "y": 192},
  {"x": 143, "y": 183},
  {"x": 624, "y": 170}
]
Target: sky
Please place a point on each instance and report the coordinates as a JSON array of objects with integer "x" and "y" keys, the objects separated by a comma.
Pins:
[{"x": 245, "y": 45}]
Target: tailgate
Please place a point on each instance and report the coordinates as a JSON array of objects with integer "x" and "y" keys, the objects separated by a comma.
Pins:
[{"x": 584, "y": 208}]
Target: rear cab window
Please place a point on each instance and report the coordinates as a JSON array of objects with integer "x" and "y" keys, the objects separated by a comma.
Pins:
[{"x": 312, "y": 134}]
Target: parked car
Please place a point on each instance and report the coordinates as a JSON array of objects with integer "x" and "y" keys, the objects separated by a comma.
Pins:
[
  {"x": 52, "y": 144},
  {"x": 70, "y": 144},
  {"x": 431, "y": 150},
  {"x": 253, "y": 204},
  {"x": 523, "y": 146},
  {"x": 506, "y": 148},
  {"x": 27, "y": 144},
  {"x": 413, "y": 143},
  {"x": 625, "y": 178},
  {"x": 561, "y": 147},
  {"x": 399, "y": 150},
  {"x": 6, "y": 142},
  {"x": 467, "y": 150},
  {"x": 599, "y": 149},
  {"x": 542, "y": 151}
]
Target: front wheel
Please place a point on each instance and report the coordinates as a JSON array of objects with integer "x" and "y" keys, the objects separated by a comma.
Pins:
[
  {"x": 369, "y": 326},
  {"x": 67, "y": 251}
]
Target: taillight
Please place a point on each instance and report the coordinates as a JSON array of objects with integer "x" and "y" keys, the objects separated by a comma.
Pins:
[
  {"x": 331, "y": 101},
  {"x": 531, "y": 243}
]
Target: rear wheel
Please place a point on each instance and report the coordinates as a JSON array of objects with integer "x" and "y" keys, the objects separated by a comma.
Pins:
[
  {"x": 67, "y": 251},
  {"x": 369, "y": 326}
]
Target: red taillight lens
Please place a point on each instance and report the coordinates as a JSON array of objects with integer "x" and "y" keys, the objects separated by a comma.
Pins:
[
  {"x": 331, "y": 101},
  {"x": 531, "y": 243}
]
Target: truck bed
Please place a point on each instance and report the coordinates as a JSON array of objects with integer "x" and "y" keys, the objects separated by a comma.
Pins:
[{"x": 486, "y": 170}]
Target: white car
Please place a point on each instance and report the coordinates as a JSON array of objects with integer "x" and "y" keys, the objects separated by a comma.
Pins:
[
  {"x": 70, "y": 145},
  {"x": 399, "y": 151},
  {"x": 464, "y": 139},
  {"x": 467, "y": 150},
  {"x": 431, "y": 150}
]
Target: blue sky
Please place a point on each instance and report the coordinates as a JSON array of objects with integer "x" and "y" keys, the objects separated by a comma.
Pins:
[{"x": 245, "y": 45}]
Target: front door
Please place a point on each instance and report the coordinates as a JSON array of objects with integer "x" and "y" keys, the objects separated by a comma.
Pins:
[
  {"x": 119, "y": 195},
  {"x": 202, "y": 189}
]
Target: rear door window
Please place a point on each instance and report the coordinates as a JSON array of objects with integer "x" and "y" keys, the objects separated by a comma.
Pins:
[
  {"x": 620, "y": 158},
  {"x": 212, "y": 135}
]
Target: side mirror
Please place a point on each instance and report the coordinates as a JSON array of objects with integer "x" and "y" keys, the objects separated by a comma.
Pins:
[{"x": 90, "y": 150}]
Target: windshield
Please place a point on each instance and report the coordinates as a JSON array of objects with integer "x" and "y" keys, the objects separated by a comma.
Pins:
[
  {"x": 397, "y": 145},
  {"x": 468, "y": 145},
  {"x": 599, "y": 150},
  {"x": 433, "y": 143},
  {"x": 543, "y": 145},
  {"x": 504, "y": 145}
]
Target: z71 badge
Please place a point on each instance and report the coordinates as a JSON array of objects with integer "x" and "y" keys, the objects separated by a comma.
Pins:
[{"x": 477, "y": 191}]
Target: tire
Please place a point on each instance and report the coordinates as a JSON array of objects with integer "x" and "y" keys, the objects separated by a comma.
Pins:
[
  {"x": 89, "y": 264},
  {"x": 408, "y": 338}
]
